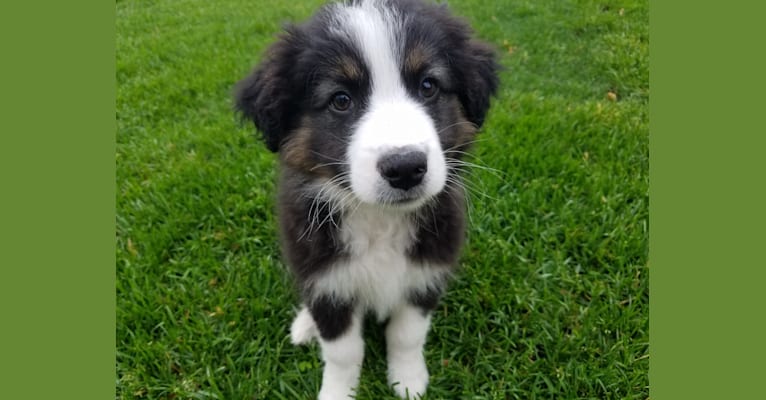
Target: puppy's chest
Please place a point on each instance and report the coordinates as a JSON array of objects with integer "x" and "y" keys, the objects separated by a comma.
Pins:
[
  {"x": 377, "y": 247},
  {"x": 377, "y": 273},
  {"x": 372, "y": 237}
]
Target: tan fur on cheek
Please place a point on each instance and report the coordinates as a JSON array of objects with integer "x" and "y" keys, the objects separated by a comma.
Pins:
[{"x": 296, "y": 152}]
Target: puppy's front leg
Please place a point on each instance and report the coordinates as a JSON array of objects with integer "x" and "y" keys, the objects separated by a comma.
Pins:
[
  {"x": 405, "y": 337},
  {"x": 340, "y": 338}
]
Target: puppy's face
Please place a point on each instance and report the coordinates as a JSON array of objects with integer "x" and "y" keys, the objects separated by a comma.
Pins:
[{"x": 375, "y": 99}]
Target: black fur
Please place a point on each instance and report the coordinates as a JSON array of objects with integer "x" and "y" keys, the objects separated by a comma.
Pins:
[
  {"x": 268, "y": 95},
  {"x": 309, "y": 251},
  {"x": 286, "y": 83},
  {"x": 332, "y": 316},
  {"x": 441, "y": 230},
  {"x": 427, "y": 299},
  {"x": 472, "y": 63}
]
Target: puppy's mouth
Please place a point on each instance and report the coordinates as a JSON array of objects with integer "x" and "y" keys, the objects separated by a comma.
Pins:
[{"x": 403, "y": 199}]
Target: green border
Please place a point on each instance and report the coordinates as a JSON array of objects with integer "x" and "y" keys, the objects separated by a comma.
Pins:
[
  {"x": 707, "y": 201},
  {"x": 57, "y": 91}
]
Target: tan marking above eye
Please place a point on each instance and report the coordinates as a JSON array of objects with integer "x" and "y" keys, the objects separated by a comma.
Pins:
[
  {"x": 349, "y": 69},
  {"x": 416, "y": 59}
]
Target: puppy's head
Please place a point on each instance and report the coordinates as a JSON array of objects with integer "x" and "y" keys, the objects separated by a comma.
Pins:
[{"x": 373, "y": 98}]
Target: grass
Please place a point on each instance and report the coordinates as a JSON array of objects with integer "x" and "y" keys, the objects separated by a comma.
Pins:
[{"x": 552, "y": 301}]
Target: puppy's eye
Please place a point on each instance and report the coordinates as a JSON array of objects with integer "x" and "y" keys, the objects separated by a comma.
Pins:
[
  {"x": 340, "y": 101},
  {"x": 428, "y": 88}
]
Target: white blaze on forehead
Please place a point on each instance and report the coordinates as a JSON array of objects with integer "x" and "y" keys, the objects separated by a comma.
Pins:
[{"x": 377, "y": 32}]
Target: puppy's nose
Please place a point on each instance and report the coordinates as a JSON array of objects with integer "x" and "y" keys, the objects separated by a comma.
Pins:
[{"x": 403, "y": 170}]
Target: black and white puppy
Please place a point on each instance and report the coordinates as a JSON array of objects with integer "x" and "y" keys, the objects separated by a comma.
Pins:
[{"x": 371, "y": 104}]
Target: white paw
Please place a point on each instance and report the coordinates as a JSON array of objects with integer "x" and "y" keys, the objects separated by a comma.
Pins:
[
  {"x": 408, "y": 378},
  {"x": 335, "y": 393},
  {"x": 303, "y": 329}
]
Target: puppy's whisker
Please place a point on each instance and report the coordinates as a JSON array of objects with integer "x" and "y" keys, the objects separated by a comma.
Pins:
[
  {"x": 322, "y": 199},
  {"x": 326, "y": 157},
  {"x": 457, "y": 124},
  {"x": 326, "y": 165},
  {"x": 464, "y": 144},
  {"x": 458, "y": 164},
  {"x": 471, "y": 188}
]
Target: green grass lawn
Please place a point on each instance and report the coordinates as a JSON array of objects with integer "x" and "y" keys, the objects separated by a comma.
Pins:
[{"x": 552, "y": 300}]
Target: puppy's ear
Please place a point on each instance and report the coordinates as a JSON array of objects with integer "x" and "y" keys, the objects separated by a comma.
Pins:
[
  {"x": 266, "y": 96},
  {"x": 479, "y": 69}
]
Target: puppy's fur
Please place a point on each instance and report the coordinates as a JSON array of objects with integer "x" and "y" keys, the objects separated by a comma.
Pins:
[{"x": 371, "y": 104}]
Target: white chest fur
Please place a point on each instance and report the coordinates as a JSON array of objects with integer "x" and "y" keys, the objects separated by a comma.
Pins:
[{"x": 377, "y": 275}]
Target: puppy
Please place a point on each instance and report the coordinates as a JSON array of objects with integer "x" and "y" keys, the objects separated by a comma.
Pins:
[{"x": 371, "y": 105}]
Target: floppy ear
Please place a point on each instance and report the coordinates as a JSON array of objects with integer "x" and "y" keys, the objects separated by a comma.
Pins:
[
  {"x": 479, "y": 70},
  {"x": 265, "y": 96}
]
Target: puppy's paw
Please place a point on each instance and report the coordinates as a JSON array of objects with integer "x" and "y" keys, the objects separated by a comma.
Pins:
[
  {"x": 303, "y": 329},
  {"x": 408, "y": 378},
  {"x": 335, "y": 394}
]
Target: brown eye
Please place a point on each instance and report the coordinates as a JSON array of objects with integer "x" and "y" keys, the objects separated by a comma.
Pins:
[
  {"x": 428, "y": 88},
  {"x": 341, "y": 101}
]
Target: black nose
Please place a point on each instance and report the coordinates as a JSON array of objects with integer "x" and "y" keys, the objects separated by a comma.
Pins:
[{"x": 403, "y": 170}]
